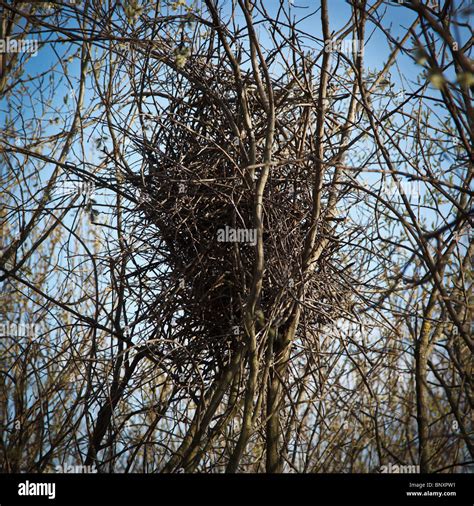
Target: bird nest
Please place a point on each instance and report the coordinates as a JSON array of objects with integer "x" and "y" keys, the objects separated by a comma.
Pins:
[{"x": 197, "y": 198}]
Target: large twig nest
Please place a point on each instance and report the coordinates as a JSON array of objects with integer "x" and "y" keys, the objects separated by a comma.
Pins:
[{"x": 197, "y": 191}]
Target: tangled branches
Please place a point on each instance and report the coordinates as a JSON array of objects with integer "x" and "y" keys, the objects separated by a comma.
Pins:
[{"x": 198, "y": 193}]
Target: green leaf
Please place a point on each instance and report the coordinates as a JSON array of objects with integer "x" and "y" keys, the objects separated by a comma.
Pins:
[
  {"x": 436, "y": 78},
  {"x": 465, "y": 79}
]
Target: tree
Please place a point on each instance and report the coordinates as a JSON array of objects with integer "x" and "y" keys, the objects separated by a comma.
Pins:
[{"x": 264, "y": 263}]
